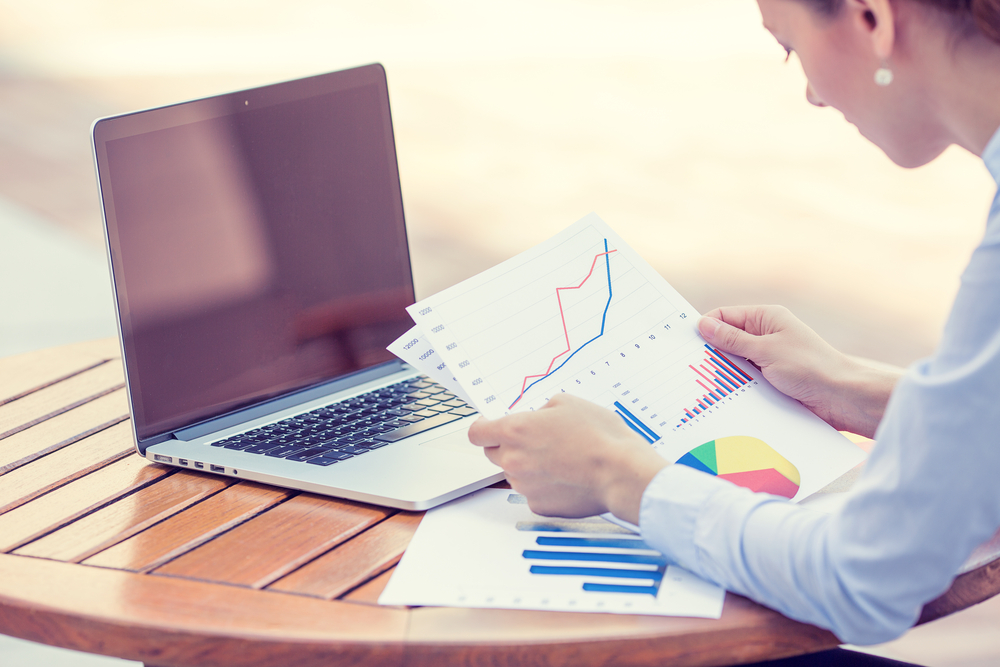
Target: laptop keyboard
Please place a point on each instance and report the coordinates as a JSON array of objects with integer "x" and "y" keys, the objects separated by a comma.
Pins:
[{"x": 356, "y": 425}]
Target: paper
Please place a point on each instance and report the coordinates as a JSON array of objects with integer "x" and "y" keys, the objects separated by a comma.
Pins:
[
  {"x": 582, "y": 313},
  {"x": 489, "y": 550},
  {"x": 414, "y": 348}
]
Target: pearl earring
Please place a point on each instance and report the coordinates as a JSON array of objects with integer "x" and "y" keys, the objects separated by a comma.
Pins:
[{"x": 883, "y": 75}]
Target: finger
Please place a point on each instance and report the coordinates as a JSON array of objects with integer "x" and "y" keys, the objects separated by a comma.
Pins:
[
  {"x": 494, "y": 455},
  {"x": 728, "y": 338},
  {"x": 485, "y": 432}
]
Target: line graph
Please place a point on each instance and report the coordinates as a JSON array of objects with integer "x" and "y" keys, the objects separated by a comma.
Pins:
[
  {"x": 562, "y": 316},
  {"x": 513, "y": 346}
]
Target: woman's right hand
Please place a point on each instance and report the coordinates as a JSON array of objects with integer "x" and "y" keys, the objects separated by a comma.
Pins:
[{"x": 842, "y": 392}]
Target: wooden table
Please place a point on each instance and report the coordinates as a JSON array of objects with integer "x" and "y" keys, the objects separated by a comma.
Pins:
[{"x": 101, "y": 551}]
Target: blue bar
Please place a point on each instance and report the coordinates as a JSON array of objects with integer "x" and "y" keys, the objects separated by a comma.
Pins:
[
  {"x": 724, "y": 387},
  {"x": 637, "y": 421},
  {"x": 604, "y": 558},
  {"x": 655, "y": 575},
  {"x": 712, "y": 394},
  {"x": 635, "y": 428},
  {"x": 726, "y": 374},
  {"x": 612, "y": 588},
  {"x": 703, "y": 406},
  {"x": 600, "y": 542},
  {"x": 729, "y": 363}
]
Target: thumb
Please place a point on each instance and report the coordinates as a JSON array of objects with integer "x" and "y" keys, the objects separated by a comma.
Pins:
[{"x": 728, "y": 338}]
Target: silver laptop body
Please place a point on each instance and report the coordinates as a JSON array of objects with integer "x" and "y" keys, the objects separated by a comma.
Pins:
[{"x": 260, "y": 265}]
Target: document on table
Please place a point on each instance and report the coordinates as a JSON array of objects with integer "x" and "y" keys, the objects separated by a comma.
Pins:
[
  {"x": 489, "y": 550},
  {"x": 582, "y": 313}
]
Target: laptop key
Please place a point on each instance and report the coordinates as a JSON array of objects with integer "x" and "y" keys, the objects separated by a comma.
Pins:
[
  {"x": 308, "y": 454},
  {"x": 427, "y": 402},
  {"x": 425, "y": 413},
  {"x": 322, "y": 461},
  {"x": 282, "y": 452},
  {"x": 440, "y": 408},
  {"x": 463, "y": 412},
  {"x": 420, "y": 427},
  {"x": 413, "y": 419}
]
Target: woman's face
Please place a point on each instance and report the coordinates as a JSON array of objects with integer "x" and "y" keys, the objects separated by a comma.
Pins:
[{"x": 838, "y": 56}]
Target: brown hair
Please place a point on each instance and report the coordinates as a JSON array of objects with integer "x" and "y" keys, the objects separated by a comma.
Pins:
[{"x": 984, "y": 14}]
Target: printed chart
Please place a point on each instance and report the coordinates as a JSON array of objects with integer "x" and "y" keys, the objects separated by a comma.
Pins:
[
  {"x": 582, "y": 313},
  {"x": 500, "y": 554},
  {"x": 747, "y": 462},
  {"x": 573, "y": 314}
]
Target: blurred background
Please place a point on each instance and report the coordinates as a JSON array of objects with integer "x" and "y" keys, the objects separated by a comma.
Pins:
[{"x": 675, "y": 121}]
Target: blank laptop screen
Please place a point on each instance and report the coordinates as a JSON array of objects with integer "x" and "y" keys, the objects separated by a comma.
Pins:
[{"x": 257, "y": 243}]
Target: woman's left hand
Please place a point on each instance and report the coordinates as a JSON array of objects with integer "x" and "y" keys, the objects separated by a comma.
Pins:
[{"x": 571, "y": 458}]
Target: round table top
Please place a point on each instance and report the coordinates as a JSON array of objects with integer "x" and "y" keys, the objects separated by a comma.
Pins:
[{"x": 102, "y": 551}]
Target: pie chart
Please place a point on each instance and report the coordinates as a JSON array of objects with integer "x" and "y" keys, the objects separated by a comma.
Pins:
[{"x": 746, "y": 462}]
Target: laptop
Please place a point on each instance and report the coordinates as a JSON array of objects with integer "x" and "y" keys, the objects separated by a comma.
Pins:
[{"x": 260, "y": 266}]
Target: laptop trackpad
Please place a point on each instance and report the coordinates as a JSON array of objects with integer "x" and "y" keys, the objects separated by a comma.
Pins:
[{"x": 456, "y": 441}]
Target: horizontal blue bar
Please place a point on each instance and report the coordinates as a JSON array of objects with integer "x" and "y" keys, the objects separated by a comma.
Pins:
[
  {"x": 641, "y": 559},
  {"x": 635, "y": 428},
  {"x": 614, "y": 588},
  {"x": 600, "y": 542},
  {"x": 654, "y": 575},
  {"x": 637, "y": 421}
]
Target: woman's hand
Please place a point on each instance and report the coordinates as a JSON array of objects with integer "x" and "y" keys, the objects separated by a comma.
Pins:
[
  {"x": 842, "y": 392},
  {"x": 571, "y": 458}
]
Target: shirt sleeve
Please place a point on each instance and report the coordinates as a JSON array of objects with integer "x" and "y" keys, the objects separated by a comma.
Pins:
[{"x": 926, "y": 498}]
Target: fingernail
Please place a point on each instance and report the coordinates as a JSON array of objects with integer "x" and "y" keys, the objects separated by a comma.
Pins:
[{"x": 708, "y": 326}]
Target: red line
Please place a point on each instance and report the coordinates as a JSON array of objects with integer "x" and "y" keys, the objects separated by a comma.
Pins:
[
  {"x": 703, "y": 385},
  {"x": 562, "y": 317}
]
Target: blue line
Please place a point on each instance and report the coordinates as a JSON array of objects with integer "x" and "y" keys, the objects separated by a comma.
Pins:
[
  {"x": 634, "y": 427},
  {"x": 724, "y": 372},
  {"x": 606, "y": 558},
  {"x": 637, "y": 421},
  {"x": 602, "y": 542},
  {"x": 612, "y": 588},
  {"x": 655, "y": 575},
  {"x": 729, "y": 363},
  {"x": 604, "y": 318}
]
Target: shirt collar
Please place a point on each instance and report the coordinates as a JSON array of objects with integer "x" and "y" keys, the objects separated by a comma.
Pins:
[{"x": 991, "y": 156}]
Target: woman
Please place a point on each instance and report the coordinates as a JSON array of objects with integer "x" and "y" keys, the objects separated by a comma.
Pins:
[{"x": 914, "y": 76}]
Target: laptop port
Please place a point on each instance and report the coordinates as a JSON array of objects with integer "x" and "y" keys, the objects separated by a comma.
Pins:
[
  {"x": 215, "y": 468},
  {"x": 183, "y": 462},
  {"x": 162, "y": 459},
  {"x": 199, "y": 465}
]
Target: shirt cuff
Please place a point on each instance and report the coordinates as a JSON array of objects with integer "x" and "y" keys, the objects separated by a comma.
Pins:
[{"x": 668, "y": 513}]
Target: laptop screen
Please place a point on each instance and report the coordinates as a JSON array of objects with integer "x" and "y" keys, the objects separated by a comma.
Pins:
[{"x": 257, "y": 243}]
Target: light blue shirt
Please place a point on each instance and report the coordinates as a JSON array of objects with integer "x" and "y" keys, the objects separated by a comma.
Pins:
[{"x": 927, "y": 497}]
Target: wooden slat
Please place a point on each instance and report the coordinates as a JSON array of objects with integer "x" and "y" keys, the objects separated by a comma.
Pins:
[
  {"x": 271, "y": 545},
  {"x": 189, "y": 529},
  {"x": 368, "y": 592},
  {"x": 746, "y": 632},
  {"x": 169, "y": 621},
  {"x": 55, "y": 509},
  {"x": 25, "y": 373},
  {"x": 354, "y": 562},
  {"x": 968, "y": 589},
  {"x": 126, "y": 517},
  {"x": 59, "y": 398},
  {"x": 65, "y": 429},
  {"x": 72, "y": 462}
]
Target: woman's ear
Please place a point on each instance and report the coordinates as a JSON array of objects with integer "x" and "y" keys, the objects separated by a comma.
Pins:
[{"x": 875, "y": 20}]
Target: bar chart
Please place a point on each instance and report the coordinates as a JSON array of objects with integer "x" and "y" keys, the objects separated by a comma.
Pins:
[
  {"x": 614, "y": 561},
  {"x": 718, "y": 377},
  {"x": 490, "y": 550}
]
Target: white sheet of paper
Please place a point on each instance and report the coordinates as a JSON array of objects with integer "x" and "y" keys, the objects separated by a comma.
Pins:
[
  {"x": 414, "y": 348},
  {"x": 583, "y": 313},
  {"x": 489, "y": 550}
]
